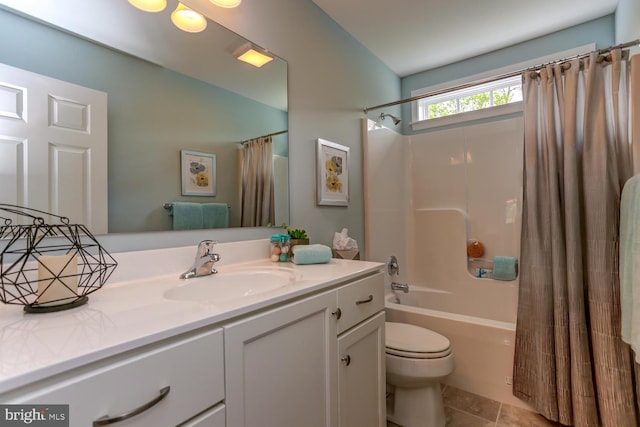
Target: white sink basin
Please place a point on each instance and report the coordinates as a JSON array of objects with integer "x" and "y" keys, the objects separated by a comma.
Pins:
[{"x": 234, "y": 284}]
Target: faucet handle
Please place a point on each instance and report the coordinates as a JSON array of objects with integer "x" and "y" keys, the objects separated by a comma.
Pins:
[
  {"x": 205, "y": 247},
  {"x": 392, "y": 266}
]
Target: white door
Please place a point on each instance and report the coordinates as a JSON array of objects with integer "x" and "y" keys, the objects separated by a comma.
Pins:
[{"x": 53, "y": 147}]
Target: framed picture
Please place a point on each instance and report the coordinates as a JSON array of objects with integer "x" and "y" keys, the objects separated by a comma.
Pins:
[
  {"x": 332, "y": 174},
  {"x": 198, "y": 173}
]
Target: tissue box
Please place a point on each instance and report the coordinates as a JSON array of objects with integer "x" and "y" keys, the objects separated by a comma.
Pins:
[{"x": 351, "y": 254}]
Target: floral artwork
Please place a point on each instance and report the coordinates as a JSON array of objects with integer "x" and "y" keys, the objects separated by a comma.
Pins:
[
  {"x": 333, "y": 180},
  {"x": 333, "y": 171},
  {"x": 198, "y": 173}
]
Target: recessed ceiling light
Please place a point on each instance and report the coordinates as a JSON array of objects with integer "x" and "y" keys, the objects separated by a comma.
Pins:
[
  {"x": 149, "y": 5},
  {"x": 226, "y": 3},
  {"x": 253, "y": 55},
  {"x": 188, "y": 20}
]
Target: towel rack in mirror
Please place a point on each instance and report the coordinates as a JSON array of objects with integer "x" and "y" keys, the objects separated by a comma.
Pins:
[{"x": 168, "y": 206}]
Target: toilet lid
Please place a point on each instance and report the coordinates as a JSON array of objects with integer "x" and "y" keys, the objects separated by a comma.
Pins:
[{"x": 407, "y": 340}]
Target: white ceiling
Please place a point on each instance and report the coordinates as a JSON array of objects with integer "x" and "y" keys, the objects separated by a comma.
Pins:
[
  {"x": 206, "y": 56},
  {"x": 417, "y": 35}
]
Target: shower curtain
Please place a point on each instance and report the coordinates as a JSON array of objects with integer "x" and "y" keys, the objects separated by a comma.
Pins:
[
  {"x": 257, "y": 190},
  {"x": 570, "y": 362}
]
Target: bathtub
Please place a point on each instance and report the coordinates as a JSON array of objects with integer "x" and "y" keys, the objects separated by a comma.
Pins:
[{"x": 483, "y": 348}]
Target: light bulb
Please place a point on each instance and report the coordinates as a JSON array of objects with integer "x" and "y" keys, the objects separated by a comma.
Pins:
[
  {"x": 149, "y": 5},
  {"x": 188, "y": 20},
  {"x": 226, "y": 3}
]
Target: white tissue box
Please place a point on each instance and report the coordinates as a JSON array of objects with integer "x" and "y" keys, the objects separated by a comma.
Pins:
[{"x": 350, "y": 254}]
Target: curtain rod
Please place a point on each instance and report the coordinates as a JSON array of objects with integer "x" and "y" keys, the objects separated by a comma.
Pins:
[
  {"x": 265, "y": 136},
  {"x": 500, "y": 76}
]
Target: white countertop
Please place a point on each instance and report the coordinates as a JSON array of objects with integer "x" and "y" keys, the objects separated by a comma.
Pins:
[{"x": 124, "y": 315}]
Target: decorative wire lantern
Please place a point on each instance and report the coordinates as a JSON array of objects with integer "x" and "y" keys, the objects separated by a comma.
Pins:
[{"x": 49, "y": 267}]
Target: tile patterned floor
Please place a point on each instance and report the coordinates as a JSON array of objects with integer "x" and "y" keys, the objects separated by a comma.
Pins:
[{"x": 466, "y": 409}]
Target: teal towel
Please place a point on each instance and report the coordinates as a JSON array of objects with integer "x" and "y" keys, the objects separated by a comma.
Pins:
[
  {"x": 505, "y": 268},
  {"x": 186, "y": 216},
  {"x": 311, "y": 254},
  {"x": 215, "y": 215}
]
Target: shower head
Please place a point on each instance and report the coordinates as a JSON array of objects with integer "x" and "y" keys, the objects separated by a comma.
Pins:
[{"x": 394, "y": 118}]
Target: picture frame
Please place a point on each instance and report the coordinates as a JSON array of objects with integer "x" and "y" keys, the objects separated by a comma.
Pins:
[
  {"x": 332, "y": 177},
  {"x": 198, "y": 171}
]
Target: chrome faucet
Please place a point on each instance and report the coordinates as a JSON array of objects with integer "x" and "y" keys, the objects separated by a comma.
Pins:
[
  {"x": 203, "y": 264},
  {"x": 404, "y": 287}
]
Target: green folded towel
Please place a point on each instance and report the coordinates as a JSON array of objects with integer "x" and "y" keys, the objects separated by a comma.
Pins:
[
  {"x": 186, "y": 216},
  {"x": 311, "y": 254},
  {"x": 505, "y": 268},
  {"x": 215, "y": 215}
]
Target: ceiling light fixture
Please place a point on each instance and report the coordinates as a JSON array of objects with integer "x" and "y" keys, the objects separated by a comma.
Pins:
[
  {"x": 226, "y": 3},
  {"x": 149, "y": 5},
  {"x": 253, "y": 55},
  {"x": 188, "y": 20}
]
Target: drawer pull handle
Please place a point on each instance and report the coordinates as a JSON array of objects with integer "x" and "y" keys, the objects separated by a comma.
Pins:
[
  {"x": 364, "y": 301},
  {"x": 106, "y": 420},
  {"x": 337, "y": 313},
  {"x": 346, "y": 359}
]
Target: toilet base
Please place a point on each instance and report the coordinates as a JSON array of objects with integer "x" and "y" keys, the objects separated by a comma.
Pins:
[{"x": 418, "y": 407}]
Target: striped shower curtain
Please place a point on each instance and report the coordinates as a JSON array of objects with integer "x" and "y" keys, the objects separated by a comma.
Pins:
[
  {"x": 570, "y": 362},
  {"x": 257, "y": 185}
]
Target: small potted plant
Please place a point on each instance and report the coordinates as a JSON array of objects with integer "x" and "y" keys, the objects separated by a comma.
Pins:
[{"x": 298, "y": 235}]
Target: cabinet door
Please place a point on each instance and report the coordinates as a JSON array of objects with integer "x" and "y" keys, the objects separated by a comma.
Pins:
[
  {"x": 281, "y": 366},
  {"x": 362, "y": 375}
]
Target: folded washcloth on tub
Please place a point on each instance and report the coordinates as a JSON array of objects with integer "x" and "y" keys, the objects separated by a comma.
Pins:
[
  {"x": 505, "y": 268},
  {"x": 311, "y": 254}
]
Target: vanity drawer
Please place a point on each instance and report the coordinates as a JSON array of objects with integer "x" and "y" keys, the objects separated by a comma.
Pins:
[
  {"x": 192, "y": 369},
  {"x": 359, "y": 300},
  {"x": 214, "y": 417}
]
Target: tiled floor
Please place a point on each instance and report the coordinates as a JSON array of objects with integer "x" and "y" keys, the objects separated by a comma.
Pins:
[{"x": 466, "y": 409}]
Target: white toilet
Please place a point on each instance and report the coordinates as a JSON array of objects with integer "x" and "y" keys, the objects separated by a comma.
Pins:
[{"x": 417, "y": 359}]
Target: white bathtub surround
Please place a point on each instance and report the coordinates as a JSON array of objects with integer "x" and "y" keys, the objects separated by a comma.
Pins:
[
  {"x": 386, "y": 195},
  {"x": 450, "y": 186},
  {"x": 437, "y": 261}
]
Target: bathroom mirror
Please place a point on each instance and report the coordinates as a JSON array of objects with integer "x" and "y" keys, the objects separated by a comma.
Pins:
[{"x": 168, "y": 90}]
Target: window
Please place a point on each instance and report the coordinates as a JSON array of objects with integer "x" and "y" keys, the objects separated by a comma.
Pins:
[{"x": 482, "y": 96}]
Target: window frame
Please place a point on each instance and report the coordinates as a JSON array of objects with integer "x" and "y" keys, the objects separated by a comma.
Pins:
[{"x": 483, "y": 113}]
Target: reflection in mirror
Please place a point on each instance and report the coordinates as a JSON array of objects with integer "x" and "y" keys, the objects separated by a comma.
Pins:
[{"x": 166, "y": 90}]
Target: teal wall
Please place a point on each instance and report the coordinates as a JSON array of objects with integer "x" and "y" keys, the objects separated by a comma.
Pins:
[
  {"x": 627, "y": 18},
  {"x": 153, "y": 113},
  {"x": 601, "y": 31},
  {"x": 331, "y": 78}
]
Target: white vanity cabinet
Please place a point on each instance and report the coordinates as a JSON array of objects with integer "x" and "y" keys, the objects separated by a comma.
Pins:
[
  {"x": 290, "y": 366},
  {"x": 310, "y": 358},
  {"x": 166, "y": 384},
  {"x": 361, "y": 372},
  {"x": 281, "y": 367}
]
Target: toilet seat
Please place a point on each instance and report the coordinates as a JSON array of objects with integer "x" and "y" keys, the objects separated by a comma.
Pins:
[{"x": 411, "y": 341}]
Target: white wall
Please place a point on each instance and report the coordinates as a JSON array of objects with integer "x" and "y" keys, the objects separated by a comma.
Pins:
[{"x": 331, "y": 79}]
